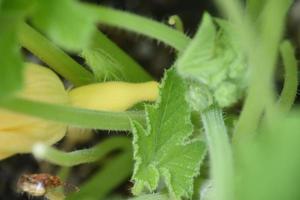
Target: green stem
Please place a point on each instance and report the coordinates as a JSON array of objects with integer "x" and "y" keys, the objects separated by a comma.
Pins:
[
  {"x": 289, "y": 90},
  {"x": 283, "y": 105},
  {"x": 128, "y": 67},
  {"x": 254, "y": 8},
  {"x": 73, "y": 116},
  {"x": 220, "y": 153},
  {"x": 73, "y": 158},
  {"x": 141, "y": 25},
  {"x": 111, "y": 175},
  {"x": 151, "y": 197},
  {"x": 107, "y": 178},
  {"x": 58, "y": 60}
]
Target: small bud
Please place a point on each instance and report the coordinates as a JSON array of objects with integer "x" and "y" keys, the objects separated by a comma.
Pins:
[
  {"x": 199, "y": 96},
  {"x": 216, "y": 59},
  {"x": 226, "y": 94}
]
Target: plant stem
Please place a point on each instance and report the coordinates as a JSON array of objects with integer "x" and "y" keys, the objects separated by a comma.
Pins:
[
  {"x": 151, "y": 197},
  {"x": 73, "y": 158},
  {"x": 220, "y": 153},
  {"x": 112, "y": 174},
  {"x": 128, "y": 66},
  {"x": 107, "y": 178},
  {"x": 58, "y": 60},
  {"x": 141, "y": 25},
  {"x": 73, "y": 116},
  {"x": 254, "y": 8},
  {"x": 289, "y": 91}
]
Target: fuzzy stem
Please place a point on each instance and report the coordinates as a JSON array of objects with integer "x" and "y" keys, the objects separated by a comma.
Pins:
[
  {"x": 58, "y": 60},
  {"x": 73, "y": 116},
  {"x": 73, "y": 158},
  {"x": 141, "y": 25},
  {"x": 151, "y": 197},
  {"x": 107, "y": 178},
  {"x": 219, "y": 152}
]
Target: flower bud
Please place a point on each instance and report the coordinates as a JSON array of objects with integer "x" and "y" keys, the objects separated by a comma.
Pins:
[
  {"x": 113, "y": 96},
  {"x": 108, "y": 96}
]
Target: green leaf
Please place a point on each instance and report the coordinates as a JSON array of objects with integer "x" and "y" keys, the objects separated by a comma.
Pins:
[
  {"x": 200, "y": 49},
  {"x": 12, "y": 13},
  {"x": 66, "y": 22},
  {"x": 163, "y": 150},
  {"x": 10, "y": 62},
  {"x": 268, "y": 164},
  {"x": 110, "y": 62}
]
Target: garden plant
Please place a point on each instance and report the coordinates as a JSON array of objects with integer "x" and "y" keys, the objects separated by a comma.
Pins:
[{"x": 220, "y": 125}]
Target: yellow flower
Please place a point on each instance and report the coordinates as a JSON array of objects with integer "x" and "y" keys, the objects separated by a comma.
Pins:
[{"x": 19, "y": 132}]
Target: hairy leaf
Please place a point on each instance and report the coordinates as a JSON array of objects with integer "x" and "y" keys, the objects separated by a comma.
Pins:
[
  {"x": 66, "y": 22},
  {"x": 104, "y": 66},
  {"x": 163, "y": 150},
  {"x": 109, "y": 62}
]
